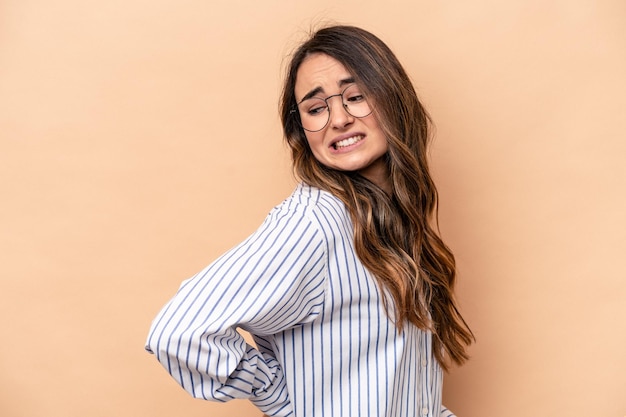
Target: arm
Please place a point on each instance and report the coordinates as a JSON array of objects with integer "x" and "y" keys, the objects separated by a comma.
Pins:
[{"x": 272, "y": 281}]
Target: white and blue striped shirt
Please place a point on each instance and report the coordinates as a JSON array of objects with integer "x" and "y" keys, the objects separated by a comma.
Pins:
[{"x": 325, "y": 345}]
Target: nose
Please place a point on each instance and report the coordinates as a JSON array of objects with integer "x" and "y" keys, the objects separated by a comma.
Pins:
[{"x": 339, "y": 116}]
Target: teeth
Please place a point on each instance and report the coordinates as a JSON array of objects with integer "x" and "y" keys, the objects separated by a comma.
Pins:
[{"x": 348, "y": 142}]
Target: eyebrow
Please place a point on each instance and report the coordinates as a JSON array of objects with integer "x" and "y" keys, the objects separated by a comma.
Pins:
[{"x": 317, "y": 90}]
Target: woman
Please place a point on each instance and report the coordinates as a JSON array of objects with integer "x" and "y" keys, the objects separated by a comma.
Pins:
[{"x": 346, "y": 288}]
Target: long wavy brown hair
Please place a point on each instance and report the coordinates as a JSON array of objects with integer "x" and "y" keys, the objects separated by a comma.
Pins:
[{"x": 395, "y": 234}]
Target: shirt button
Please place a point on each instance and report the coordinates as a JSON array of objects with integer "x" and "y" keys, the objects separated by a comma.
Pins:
[
  {"x": 424, "y": 362},
  {"x": 425, "y": 411}
]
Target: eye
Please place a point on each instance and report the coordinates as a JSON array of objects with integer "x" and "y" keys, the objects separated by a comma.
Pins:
[
  {"x": 355, "y": 98},
  {"x": 314, "y": 107},
  {"x": 316, "y": 110},
  {"x": 353, "y": 95}
]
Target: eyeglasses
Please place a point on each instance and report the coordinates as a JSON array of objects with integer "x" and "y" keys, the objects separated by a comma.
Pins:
[{"x": 315, "y": 111}]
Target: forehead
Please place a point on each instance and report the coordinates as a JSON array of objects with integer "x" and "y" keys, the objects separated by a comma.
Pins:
[{"x": 320, "y": 71}]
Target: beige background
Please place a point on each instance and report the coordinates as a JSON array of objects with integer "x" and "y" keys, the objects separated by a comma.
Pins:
[{"x": 140, "y": 139}]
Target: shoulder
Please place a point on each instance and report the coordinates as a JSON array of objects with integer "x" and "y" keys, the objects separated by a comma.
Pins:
[
  {"x": 314, "y": 209},
  {"x": 308, "y": 199},
  {"x": 314, "y": 204}
]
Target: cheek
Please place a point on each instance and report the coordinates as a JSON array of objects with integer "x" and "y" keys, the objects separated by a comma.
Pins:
[
  {"x": 315, "y": 141},
  {"x": 379, "y": 133},
  {"x": 312, "y": 137}
]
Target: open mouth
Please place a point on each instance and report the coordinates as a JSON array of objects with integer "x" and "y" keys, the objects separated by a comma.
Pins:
[{"x": 347, "y": 142}]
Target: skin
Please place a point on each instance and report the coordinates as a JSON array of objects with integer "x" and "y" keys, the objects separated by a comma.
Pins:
[{"x": 329, "y": 76}]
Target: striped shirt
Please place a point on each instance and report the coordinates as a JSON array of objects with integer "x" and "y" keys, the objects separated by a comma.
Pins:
[{"x": 325, "y": 346}]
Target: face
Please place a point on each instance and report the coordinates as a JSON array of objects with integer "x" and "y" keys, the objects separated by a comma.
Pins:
[{"x": 346, "y": 143}]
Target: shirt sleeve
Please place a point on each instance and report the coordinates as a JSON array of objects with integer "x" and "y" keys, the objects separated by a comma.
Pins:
[
  {"x": 272, "y": 281},
  {"x": 446, "y": 413}
]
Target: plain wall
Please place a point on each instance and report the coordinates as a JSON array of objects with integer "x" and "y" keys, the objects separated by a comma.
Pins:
[{"x": 140, "y": 139}]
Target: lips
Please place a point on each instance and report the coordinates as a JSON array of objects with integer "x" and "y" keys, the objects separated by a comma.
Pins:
[{"x": 350, "y": 140}]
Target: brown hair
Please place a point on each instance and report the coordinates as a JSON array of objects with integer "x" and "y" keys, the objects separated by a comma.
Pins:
[{"x": 394, "y": 234}]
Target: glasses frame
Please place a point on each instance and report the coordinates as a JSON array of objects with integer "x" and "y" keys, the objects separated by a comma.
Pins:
[{"x": 296, "y": 110}]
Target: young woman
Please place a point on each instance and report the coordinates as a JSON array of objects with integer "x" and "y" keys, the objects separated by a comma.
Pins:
[{"x": 346, "y": 288}]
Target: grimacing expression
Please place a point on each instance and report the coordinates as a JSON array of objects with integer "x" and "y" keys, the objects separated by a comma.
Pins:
[{"x": 346, "y": 142}]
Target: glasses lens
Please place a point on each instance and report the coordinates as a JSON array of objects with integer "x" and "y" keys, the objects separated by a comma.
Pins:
[
  {"x": 313, "y": 114},
  {"x": 355, "y": 103}
]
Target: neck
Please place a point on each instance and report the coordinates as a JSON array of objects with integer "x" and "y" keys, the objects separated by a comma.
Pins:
[{"x": 378, "y": 173}]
